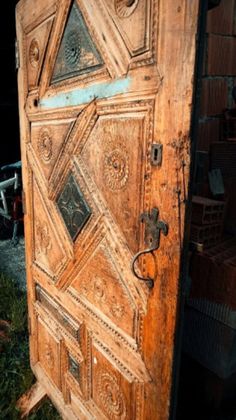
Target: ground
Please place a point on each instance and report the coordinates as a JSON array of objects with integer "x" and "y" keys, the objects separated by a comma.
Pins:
[{"x": 12, "y": 261}]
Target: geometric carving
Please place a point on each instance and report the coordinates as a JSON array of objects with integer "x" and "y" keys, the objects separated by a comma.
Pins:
[
  {"x": 77, "y": 53},
  {"x": 115, "y": 166},
  {"x": 130, "y": 14},
  {"x": 99, "y": 284},
  {"x": 47, "y": 140},
  {"x": 34, "y": 53},
  {"x": 73, "y": 208},
  {"x": 43, "y": 237},
  {"x": 125, "y": 8},
  {"x": 49, "y": 254},
  {"x": 58, "y": 313},
  {"x": 45, "y": 145},
  {"x": 111, "y": 395},
  {"x": 112, "y": 392},
  {"x": 114, "y": 156},
  {"x": 117, "y": 309},
  {"x": 36, "y": 42},
  {"x": 49, "y": 353}
]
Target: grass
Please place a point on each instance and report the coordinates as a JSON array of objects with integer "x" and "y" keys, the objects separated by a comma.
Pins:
[{"x": 16, "y": 376}]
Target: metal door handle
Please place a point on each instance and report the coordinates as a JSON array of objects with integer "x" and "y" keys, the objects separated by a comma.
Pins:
[{"x": 153, "y": 230}]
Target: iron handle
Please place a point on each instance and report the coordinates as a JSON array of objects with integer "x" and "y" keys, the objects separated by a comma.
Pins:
[
  {"x": 148, "y": 280},
  {"x": 153, "y": 229}
]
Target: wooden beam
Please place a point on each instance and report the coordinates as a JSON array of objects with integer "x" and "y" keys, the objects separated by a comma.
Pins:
[{"x": 31, "y": 400}]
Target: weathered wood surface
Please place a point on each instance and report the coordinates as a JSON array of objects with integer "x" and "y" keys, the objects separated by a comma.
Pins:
[
  {"x": 94, "y": 95},
  {"x": 31, "y": 400}
]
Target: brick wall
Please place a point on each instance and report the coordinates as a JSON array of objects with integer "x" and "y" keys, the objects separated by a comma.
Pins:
[{"x": 218, "y": 79}]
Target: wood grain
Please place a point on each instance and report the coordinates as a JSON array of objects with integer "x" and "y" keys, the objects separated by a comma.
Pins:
[{"x": 101, "y": 342}]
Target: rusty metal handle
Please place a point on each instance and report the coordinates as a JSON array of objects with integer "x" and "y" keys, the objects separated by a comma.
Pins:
[
  {"x": 153, "y": 229},
  {"x": 147, "y": 280}
]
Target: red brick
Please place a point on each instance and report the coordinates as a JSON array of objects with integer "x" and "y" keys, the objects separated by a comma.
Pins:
[
  {"x": 208, "y": 133},
  {"x": 214, "y": 96},
  {"x": 220, "y": 20},
  {"x": 220, "y": 55}
]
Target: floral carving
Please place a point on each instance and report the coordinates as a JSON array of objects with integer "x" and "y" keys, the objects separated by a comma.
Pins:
[
  {"x": 125, "y": 8},
  {"x": 44, "y": 239},
  {"x": 115, "y": 166},
  {"x": 99, "y": 288},
  {"x": 34, "y": 53},
  {"x": 45, "y": 145},
  {"x": 117, "y": 309},
  {"x": 73, "y": 207},
  {"x": 111, "y": 395}
]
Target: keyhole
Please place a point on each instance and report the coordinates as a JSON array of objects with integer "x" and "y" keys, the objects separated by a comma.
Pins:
[
  {"x": 129, "y": 3},
  {"x": 155, "y": 154}
]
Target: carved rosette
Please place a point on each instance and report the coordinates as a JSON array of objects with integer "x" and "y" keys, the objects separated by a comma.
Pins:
[
  {"x": 44, "y": 239},
  {"x": 111, "y": 395},
  {"x": 99, "y": 288},
  {"x": 34, "y": 53},
  {"x": 117, "y": 309},
  {"x": 73, "y": 207},
  {"x": 72, "y": 48},
  {"x": 125, "y": 8},
  {"x": 115, "y": 166},
  {"x": 45, "y": 145}
]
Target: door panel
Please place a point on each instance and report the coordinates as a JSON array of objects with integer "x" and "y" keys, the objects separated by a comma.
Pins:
[{"x": 100, "y": 84}]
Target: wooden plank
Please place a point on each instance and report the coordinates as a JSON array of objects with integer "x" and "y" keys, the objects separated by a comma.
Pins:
[{"x": 31, "y": 400}]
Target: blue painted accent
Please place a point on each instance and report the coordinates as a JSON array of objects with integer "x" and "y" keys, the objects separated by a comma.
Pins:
[{"x": 86, "y": 95}]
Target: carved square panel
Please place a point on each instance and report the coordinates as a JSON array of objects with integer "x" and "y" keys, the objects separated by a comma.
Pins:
[
  {"x": 73, "y": 207},
  {"x": 112, "y": 393}
]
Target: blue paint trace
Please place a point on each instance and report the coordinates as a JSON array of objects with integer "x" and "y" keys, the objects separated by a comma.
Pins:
[{"x": 86, "y": 95}]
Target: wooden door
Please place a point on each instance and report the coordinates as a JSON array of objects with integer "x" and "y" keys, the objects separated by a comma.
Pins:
[{"x": 105, "y": 94}]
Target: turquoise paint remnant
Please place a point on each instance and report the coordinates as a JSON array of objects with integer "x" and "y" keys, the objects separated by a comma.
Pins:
[{"x": 86, "y": 95}]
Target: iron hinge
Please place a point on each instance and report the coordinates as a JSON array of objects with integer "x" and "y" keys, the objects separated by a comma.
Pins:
[{"x": 17, "y": 55}]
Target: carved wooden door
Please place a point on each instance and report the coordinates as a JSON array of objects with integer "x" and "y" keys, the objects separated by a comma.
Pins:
[{"x": 105, "y": 89}]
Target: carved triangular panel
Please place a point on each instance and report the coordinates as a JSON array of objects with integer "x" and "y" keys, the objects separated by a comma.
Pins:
[
  {"x": 128, "y": 15},
  {"x": 47, "y": 140},
  {"x": 48, "y": 253},
  {"x": 102, "y": 286},
  {"x": 77, "y": 54},
  {"x": 36, "y": 43}
]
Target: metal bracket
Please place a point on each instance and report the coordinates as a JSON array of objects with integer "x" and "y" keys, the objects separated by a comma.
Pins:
[{"x": 153, "y": 229}]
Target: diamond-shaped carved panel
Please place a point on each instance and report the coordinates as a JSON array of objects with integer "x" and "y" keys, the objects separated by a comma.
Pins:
[
  {"x": 77, "y": 53},
  {"x": 73, "y": 207}
]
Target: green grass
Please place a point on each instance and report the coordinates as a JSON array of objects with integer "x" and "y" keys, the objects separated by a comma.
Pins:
[{"x": 15, "y": 374}]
